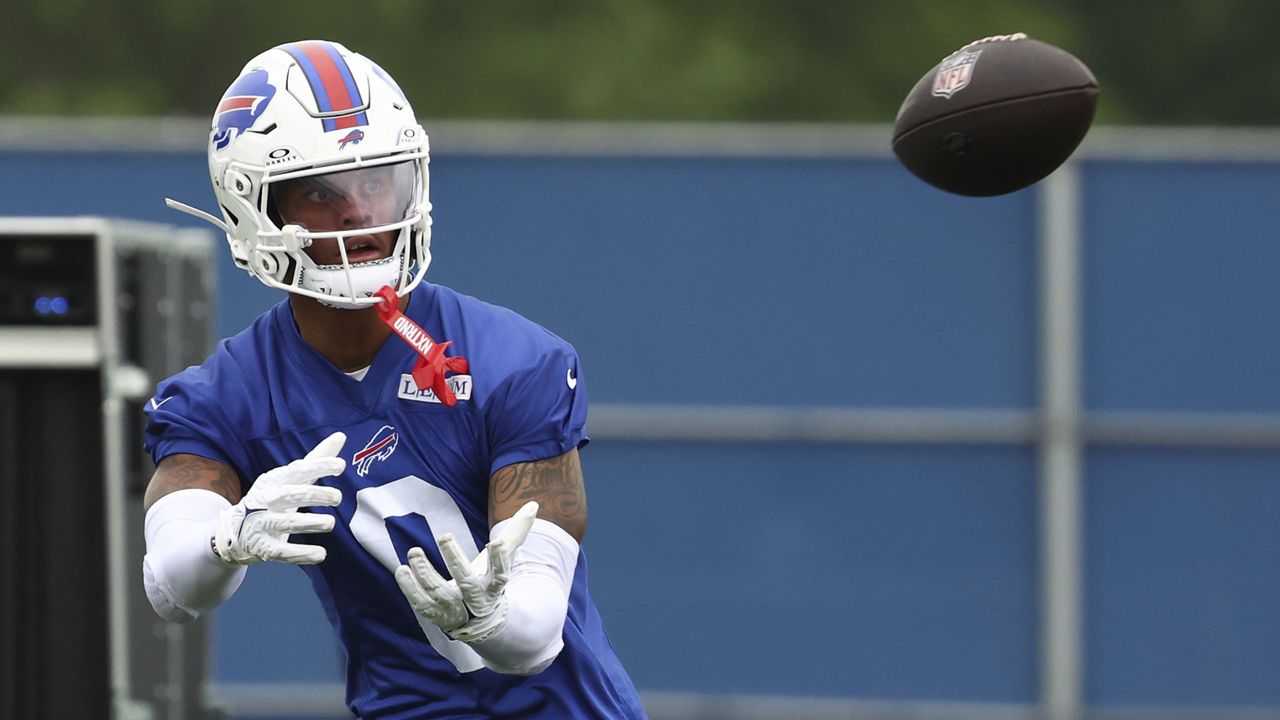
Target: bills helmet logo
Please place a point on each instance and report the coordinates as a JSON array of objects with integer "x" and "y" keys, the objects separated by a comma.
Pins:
[
  {"x": 244, "y": 103},
  {"x": 954, "y": 73},
  {"x": 352, "y": 138},
  {"x": 380, "y": 447}
]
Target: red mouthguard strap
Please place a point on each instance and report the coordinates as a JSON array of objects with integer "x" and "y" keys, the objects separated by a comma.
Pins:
[{"x": 432, "y": 364}]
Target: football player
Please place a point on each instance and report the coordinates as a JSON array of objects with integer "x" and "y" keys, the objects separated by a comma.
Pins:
[{"x": 414, "y": 450}]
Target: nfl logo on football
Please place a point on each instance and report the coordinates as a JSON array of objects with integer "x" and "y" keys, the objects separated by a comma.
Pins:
[{"x": 954, "y": 73}]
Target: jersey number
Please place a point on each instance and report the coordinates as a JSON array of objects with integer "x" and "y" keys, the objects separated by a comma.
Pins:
[{"x": 412, "y": 495}]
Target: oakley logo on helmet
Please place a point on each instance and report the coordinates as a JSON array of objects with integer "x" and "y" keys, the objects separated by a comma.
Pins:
[{"x": 244, "y": 103}]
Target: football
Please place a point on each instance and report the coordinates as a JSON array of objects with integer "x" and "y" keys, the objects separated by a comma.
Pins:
[{"x": 995, "y": 116}]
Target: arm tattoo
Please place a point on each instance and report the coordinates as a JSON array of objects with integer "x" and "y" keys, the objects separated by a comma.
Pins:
[
  {"x": 183, "y": 471},
  {"x": 555, "y": 483}
]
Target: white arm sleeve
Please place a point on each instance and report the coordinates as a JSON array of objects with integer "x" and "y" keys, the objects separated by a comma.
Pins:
[
  {"x": 537, "y": 602},
  {"x": 182, "y": 576}
]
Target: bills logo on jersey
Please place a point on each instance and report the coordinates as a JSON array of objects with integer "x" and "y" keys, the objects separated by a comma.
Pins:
[
  {"x": 380, "y": 447},
  {"x": 240, "y": 108},
  {"x": 955, "y": 73}
]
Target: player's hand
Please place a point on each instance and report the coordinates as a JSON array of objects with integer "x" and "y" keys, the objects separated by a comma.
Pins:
[
  {"x": 471, "y": 606},
  {"x": 257, "y": 528},
  {"x": 429, "y": 594}
]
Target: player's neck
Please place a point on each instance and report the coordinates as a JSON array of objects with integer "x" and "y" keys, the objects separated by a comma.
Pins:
[{"x": 347, "y": 338}]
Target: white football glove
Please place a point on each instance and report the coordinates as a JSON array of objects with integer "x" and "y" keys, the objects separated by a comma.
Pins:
[
  {"x": 257, "y": 528},
  {"x": 472, "y": 606}
]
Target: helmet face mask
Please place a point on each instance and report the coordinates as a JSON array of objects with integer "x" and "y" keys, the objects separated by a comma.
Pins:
[
  {"x": 321, "y": 172},
  {"x": 352, "y": 227}
]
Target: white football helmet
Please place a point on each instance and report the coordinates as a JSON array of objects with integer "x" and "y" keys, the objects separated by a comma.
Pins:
[{"x": 313, "y": 126}]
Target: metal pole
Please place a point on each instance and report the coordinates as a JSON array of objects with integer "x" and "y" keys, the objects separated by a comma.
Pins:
[
  {"x": 117, "y": 382},
  {"x": 1061, "y": 659}
]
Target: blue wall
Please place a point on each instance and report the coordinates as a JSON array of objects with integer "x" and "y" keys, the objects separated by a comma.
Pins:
[
  {"x": 1181, "y": 290},
  {"x": 847, "y": 570}
]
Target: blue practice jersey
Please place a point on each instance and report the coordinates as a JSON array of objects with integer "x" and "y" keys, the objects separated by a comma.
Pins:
[{"x": 416, "y": 469}]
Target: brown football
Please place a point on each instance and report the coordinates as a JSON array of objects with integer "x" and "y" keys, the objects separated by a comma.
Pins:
[{"x": 995, "y": 116}]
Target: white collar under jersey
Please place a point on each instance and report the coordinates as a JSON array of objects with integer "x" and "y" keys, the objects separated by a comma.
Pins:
[{"x": 359, "y": 374}]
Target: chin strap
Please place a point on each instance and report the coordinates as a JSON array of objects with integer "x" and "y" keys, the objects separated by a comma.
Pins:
[{"x": 432, "y": 364}]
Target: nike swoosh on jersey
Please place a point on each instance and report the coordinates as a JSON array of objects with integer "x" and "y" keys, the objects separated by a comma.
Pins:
[{"x": 156, "y": 405}]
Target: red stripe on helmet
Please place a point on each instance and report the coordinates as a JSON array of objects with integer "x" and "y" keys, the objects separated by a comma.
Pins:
[{"x": 330, "y": 77}]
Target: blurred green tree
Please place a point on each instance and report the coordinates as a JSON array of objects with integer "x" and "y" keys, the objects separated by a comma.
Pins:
[{"x": 1179, "y": 61}]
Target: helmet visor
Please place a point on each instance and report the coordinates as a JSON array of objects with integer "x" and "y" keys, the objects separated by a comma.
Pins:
[{"x": 347, "y": 200}]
